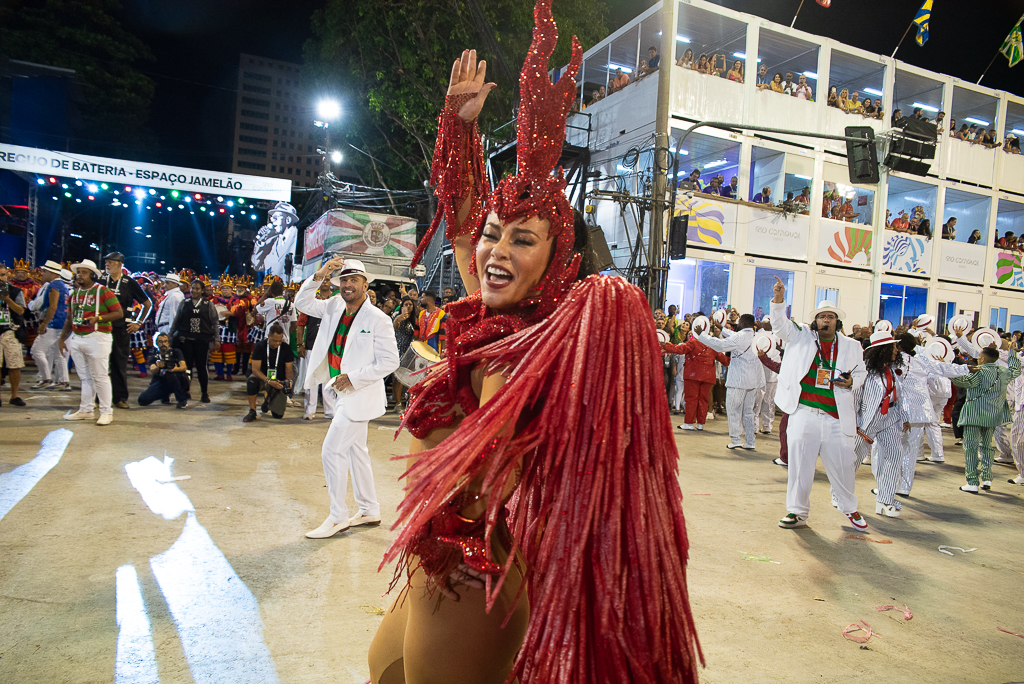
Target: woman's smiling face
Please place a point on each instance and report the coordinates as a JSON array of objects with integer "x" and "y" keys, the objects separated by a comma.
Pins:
[{"x": 511, "y": 259}]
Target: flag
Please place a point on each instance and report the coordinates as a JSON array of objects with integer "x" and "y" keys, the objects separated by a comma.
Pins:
[
  {"x": 923, "y": 16},
  {"x": 1013, "y": 46}
]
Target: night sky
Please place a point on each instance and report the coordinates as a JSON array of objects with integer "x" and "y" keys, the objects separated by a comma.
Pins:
[{"x": 196, "y": 44}]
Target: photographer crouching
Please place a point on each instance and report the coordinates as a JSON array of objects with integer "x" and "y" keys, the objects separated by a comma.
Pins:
[
  {"x": 272, "y": 362},
  {"x": 168, "y": 373}
]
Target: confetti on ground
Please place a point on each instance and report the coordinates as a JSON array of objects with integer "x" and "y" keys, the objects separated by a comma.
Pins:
[
  {"x": 943, "y": 548},
  {"x": 907, "y": 615},
  {"x": 874, "y": 541},
  {"x": 700, "y": 495},
  {"x": 1009, "y": 632},
  {"x": 372, "y": 610},
  {"x": 850, "y": 629},
  {"x": 191, "y": 460},
  {"x": 818, "y": 598},
  {"x": 763, "y": 559}
]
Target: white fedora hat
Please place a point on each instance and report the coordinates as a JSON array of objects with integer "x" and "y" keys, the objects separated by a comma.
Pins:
[
  {"x": 172, "y": 278},
  {"x": 924, "y": 321},
  {"x": 701, "y": 322},
  {"x": 352, "y": 267},
  {"x": 883, "y": 324},
  {"x": 827, "y": 306},
  {"x": 940, "y": 348},
  {"x": 89, "y": 264},
  {"x": 881, "y": 337},
  {"x": 51, "y": 267},
  {"x": 983, "y": 337}
]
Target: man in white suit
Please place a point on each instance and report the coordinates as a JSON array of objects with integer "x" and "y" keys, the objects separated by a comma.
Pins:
[
  {"x": 354, "y": 351},
  {"x": 746, "y": 376},
  {"x": 820, "y": 371}
]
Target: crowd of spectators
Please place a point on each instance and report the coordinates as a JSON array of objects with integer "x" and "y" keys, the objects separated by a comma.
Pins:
[
  {"x": 851, "y": 103},
  {"x": 1008, "y": 241},
  {"x": 776, "y": 84},
  {"x": 913, "y": 223}
]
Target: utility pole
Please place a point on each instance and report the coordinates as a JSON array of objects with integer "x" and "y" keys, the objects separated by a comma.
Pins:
[{"x": 656, "y": 266}]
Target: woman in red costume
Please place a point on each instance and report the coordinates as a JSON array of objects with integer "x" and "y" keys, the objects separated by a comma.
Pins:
[
  {"x": 699, "y": 378},
  {"x": 542, "y": 534}
]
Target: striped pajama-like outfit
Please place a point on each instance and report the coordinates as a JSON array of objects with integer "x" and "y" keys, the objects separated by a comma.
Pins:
[
  {"x": 1017, "y": 438},
  {"x": 887, "y": 461}
]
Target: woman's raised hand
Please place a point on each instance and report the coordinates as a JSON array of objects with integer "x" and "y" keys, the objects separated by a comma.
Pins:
[{"x": 468, "y": 78}]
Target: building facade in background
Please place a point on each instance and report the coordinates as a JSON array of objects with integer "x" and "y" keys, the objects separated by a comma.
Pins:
[{"x": 274, "y": 132}]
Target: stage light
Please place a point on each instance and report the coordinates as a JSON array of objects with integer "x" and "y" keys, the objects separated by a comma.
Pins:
[
  {"x": 336, "y": 157},
  {"x": 93, "y": 188},
  {"x": 52, "y": 179},
  {"x": 211, "y": 212},
  {"x": 127, "y": 188},
  {"x": 187, "y": 198},
  {"x": 181, "y": 206},
  {"x": 54, "y": 197},
  {"x": 232, "y": 216},
  {"x": 230, "y": 203},
  {"x": 174, "y": 194},
  {"x": 252, "y": 216},
  {"x": 78, "y": 183},
  {"x": 67, "y": 194},
  {"x": 104, "y": 186},
  {"x": 78, "y": 200},
  {"x": 159, "y": 204},
  {"x": 222, "y": 210},
  {"x": 198, "y": 196},
  {"x": 117, "y": 192},
  {"x": 241, "y": 200},
  {"x": 220, "y": 199},
  {"x": 92, "y": 197},
  {"x": 40, "y": 181},
  {"x": 209, "y": 201},
  {"x": 152, "y": 191},
  {"x": 139, "y": 193},
  {"x": 64, "y": 185}
]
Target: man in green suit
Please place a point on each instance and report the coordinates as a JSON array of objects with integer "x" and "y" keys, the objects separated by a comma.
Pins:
[{"x": 984, "y": 409}]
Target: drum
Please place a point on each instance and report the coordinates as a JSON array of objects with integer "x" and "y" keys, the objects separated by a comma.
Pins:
[{"x": 417, "y": 358}]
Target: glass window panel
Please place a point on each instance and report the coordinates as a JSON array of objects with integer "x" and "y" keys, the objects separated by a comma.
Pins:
[
  {"x": 764, "y": 282},
  {"x": 704, "y": 32},
  {"x": 912, "y": 90},
  {"x": 971, "y": 212},
  {"x": 865, "y": 77},
  {"x": 915, "y": 303},
  {"x": 890, "y": 307},
  {"x": 786, "y": 55},
  {"x": 1014, "y": 119},
  {"x": 913, "y": 201},
  {"x": 767, "y": 169},
  {"x": 1016, "y": 323},
  {"x": 1009, "y": 218},
  {"x": 710, "y": 155},
  {"x": 850, "y": 203},
  {"x": 712, "y": 286},
  {"x": 973, "y": 108}
]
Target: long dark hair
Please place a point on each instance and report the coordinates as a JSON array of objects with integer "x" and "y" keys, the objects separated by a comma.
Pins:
[
  {"x": 408, "y": 323},
  {"x": 877, "y": 359},
  {"x": 583, "y": 246}
]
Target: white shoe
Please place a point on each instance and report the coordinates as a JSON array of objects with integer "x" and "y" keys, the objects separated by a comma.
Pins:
[
  {"x": 945, "y": 425},
  {"x": 986, "y": 484},
  {"x": 42, "y": 384},
  {"x": 973, "y": 489},
  {"x": 1019, "y": 480},
  {"x": 999, "y": 459},
  {"x": 711, "y": 415},
  {"x": 700, "y": 426},
  {"x": 327, "y": 529},
  {"x": 687, "y": 426},
  {"x": 307, "y": 417},
  {"x": 889, "y": 511},
  {"x": 937, "y": 460},
  {"x": 328, "y": 417},
  {"x": 360, "y": 519},
  {"x": 79, "y": 415},
  {"x": 105, "y": 419}
]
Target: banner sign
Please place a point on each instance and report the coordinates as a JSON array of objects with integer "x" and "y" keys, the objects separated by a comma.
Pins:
[
  {"x": 101, "y": 169},
  {"x": 711, "y": 223},
  {"x": 906, "y": 253},
  {"x": 962, "y": 261},
  {"x": 360, "y": 232},
  {"x": 1008, "y": 269},
  {"x": 844, "y": 243},
  {"x": 773, "y": 233}
]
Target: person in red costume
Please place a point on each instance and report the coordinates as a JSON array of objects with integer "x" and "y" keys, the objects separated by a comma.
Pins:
[
  {"x": 541, "y": 535},
  {"x": 699, "y": 378}
]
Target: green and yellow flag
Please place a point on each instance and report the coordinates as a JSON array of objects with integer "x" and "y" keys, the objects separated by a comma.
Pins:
[{"x": 1013, "y": 46}]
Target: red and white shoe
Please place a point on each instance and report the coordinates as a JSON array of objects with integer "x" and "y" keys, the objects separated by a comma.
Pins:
[{"x": 857, "y": 520}]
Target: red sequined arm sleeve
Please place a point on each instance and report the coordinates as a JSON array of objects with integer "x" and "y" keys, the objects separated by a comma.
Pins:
[{"x": 457, "y": 174}]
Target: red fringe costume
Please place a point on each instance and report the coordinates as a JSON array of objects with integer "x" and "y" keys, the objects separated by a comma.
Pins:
[{"x": 598, "y": 509}]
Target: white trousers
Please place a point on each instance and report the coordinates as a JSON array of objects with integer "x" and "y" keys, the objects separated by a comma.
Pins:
[
  {"x": 764, "y": 408},
  {"x": 1003, "y": 448},
  {"x": 345, "y": 449},
  {"x": 92, "y": 362},
  {"x": 330, "y": 397},
  {"x": 811, "y": 434},
  {"x": 739, "y": 404},
  {"x": 913, "y": 446},
  {"x": 1017, "y": 437},
  {"x": 46, "y": 353},
  {"x": 680, "y": 403}
]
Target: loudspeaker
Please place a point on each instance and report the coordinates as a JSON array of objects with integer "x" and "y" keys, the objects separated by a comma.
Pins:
[
  {"x": 862, "y": 158},
  {"x": 913, "y": 166},
  {"x": 599, "y": 247},
  {"x": 677, "y": 236},
  {"x": 909, "y": 147},
  {"x": 921, "y": 129}
]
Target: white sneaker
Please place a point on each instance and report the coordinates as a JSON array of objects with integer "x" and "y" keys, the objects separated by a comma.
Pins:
[
  {"x": 986, "y": 484},
  {"x": 937, "y": 460},
  {"x": 687, "y": 426},
  {"x": 79, "y": 415},
  {"x": 711, "y": 415},
  {"x": 945, "y": 425},
  {"x": 1019, "y": 480},
  {"x": 700, "y": 426},
  {"x": 105, "y": 419},
  {"x": 42, "y": 384},
  {"x": 1003, "y": 459},
  {"x": 307, "y": 417},
  {"x": 327, "y": 529},
  {"x": 973, "y": 489}
]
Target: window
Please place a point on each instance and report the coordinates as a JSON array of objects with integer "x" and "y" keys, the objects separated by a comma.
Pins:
[
  {"x": 289, "y": 169},
  {"x": 273, "y": 155},
  {"x": 252, "y": 127},
  {"x": 252, "y": 139},
  {"x": 971, "y": 212},
  {"x": 698, "y": 285},
  {"x": 277, "y": 118},
  {"x": 252, "y": 165},
  {"x": 254, "y": 114},
  {"x": 764, "y": 282},
  {"x": 254, "y": 76},
  {"x": 900, "y": 304},
  {"x": 307, "y": 174},
  {"x": 273, "y": 168},
  {"x": 848, "y": 203},
  {"x": 255, "y": 101},
  {"x": 255, "y": 89},
  {"x": 997, "y": 318},
  {"x": 251, "y": 153}
]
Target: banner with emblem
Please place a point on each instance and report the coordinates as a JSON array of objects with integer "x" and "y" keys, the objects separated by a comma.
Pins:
[{"x": 359, "y": 232}]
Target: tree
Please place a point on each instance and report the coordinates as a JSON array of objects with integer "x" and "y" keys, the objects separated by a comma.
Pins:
[
  {"x": 85, "y": 35},
  {"x": 391, "y": 60}
]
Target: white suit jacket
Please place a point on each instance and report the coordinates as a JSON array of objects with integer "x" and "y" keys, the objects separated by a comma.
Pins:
[
  {"x": 371, "y": 352},
  {"x": 800, "y": 351},
  {"x": 745, "y": 370},
  {"x": 168, "y": 309}
]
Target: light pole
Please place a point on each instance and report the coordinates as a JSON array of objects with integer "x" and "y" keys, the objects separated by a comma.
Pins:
[{"x": 327, "y": 110}]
